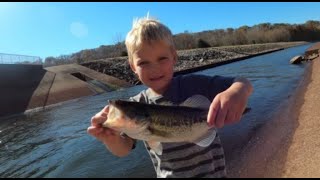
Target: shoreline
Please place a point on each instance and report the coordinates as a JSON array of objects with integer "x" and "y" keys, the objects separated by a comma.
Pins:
[
  {"x": 291, "y": 150},
  {"x": 191, "y": 60}
]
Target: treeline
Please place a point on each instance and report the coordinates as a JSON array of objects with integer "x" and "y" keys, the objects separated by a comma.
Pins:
[{"x": 257, "y": 34}]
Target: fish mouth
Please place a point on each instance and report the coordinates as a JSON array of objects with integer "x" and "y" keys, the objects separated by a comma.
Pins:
[
  {"x": 111, "y": 102},
  {"x": 156, "y": 78}
]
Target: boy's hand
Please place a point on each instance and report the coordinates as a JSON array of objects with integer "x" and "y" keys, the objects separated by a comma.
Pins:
[
  {"x": 228, "y": 106},
  {"x": 102, "y": 133},
  {"x": 112, "y": 139}
]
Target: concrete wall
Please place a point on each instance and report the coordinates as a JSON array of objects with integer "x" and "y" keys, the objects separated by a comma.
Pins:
[
  {"x": 17, "y": 85},
  {"x": 24, "y": 87}
]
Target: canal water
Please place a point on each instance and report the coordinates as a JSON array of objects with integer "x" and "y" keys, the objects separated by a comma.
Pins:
[{"x": 54, "y": 143}]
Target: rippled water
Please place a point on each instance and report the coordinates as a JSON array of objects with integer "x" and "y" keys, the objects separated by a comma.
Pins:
[{"x": 54, "y": 142}]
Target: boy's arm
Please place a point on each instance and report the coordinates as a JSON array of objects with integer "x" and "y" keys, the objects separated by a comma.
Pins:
[{"x": 227, "y": 107}]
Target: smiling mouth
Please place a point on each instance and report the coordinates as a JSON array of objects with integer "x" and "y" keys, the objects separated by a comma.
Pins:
[{"x": 156, "y": 78}]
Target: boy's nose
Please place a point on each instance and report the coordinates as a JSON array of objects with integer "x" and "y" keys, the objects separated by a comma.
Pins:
[{"x": 155, "y": 67}]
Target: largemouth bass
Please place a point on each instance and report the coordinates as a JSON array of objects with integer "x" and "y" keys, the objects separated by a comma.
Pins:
[{"x": 186, "y": 122}]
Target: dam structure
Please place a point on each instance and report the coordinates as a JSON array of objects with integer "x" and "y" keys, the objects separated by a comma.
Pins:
[{"x": 26, "y": 84}]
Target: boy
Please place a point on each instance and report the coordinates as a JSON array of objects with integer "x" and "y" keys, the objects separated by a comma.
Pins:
[{"x": 152, "y": 57}]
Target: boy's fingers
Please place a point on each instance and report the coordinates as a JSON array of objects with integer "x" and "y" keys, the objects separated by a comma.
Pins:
[
  {"x": 231, "y": 117},
  {"x": 221, "y": 116},
  {"x": 106, "y": 109},
  {"x": 97, "y": 120},
  {"x": 110, "y": 131},
  {"x": 100, "y": 117},
  {"x": 238, "y": 116},
  {"x": 100, "y": 133},
  {"x": 104, "y": 112},
  {"x": 93, "y": 130},
  {"x": 89, "y": 130},
  {"x": 213, "y": 110}
]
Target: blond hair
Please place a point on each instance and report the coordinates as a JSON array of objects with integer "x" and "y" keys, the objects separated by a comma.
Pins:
[{"x": 146, "y": 30}]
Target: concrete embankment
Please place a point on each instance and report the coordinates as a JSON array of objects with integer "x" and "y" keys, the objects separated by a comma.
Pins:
[
  {"x": 288, "y": 145},
  {"x": 25, "y": 87},
  {"x": 18, "y": 84}
]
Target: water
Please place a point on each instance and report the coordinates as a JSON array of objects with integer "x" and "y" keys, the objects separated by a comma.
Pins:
[
  {"x": 273, "y": 79},
  {"x": 54, "y": 142}
]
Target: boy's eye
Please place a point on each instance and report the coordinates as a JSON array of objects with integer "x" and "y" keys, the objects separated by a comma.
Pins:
[
  {"x": 142, "y": 63},
  {"x": 163, "y": 59}
]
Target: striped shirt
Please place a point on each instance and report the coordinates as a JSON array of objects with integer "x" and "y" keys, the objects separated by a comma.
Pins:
[{"x": 183, "y": 159}]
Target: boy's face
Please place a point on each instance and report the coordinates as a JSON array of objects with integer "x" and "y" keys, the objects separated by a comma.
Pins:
[{"x": 154, "y": 63}]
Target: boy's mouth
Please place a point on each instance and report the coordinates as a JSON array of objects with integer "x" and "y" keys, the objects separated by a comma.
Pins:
[{"x": 156, "y": 78}]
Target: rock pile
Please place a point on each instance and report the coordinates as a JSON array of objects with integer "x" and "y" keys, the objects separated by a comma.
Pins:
[{"x": 119, "y": 66}]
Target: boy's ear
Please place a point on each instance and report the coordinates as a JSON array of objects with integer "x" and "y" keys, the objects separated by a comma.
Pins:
[{"x": 132, "y": 67}]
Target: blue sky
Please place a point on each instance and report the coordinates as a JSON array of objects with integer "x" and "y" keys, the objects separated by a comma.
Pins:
[{"x": 61, "y": 28}]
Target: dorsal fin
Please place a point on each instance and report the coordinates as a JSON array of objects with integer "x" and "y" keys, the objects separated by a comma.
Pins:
[{"x": 197, "y": 101}]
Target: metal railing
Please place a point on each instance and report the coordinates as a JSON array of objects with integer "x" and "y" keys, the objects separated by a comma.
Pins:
[{"x": 19, "y": 59}]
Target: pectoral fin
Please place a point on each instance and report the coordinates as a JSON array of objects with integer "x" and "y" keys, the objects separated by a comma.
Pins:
[
  {"x": 155, "y": 146},
  {"x": 207, "y": 139}
]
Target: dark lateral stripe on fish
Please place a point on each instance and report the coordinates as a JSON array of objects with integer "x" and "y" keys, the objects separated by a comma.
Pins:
[
  {"x": 182, "y": 147},
  {"x": 217, "y": 169},
  {"x": 209, "y": 148},
  {"x": 188, "y": 168},
  {"x": 179, "y": 118}
]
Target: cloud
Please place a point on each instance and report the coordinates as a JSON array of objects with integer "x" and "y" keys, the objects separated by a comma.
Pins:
[{"x": 78, "y": 29}]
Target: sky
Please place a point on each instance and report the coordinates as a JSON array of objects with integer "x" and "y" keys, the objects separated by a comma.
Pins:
[{"x": 61, "y": 28}]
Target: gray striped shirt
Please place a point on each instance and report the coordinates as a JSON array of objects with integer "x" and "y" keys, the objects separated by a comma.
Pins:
[{"x": 188, "y": 159}]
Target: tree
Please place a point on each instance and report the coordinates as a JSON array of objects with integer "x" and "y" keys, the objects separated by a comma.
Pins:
[
  {"x": 117, "y": 38},
  {"x": 240, "y": 36},
  {"x": 203, "y": 44},
  {"x": 49, "y": 61},
  {"x": 185, "y": 41}
]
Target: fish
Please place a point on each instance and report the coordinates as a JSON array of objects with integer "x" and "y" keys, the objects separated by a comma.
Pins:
[{"x": 166, "y": 122}]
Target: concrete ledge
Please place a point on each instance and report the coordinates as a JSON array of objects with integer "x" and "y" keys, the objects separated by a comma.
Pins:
[{"x": 24, "y": 87}]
